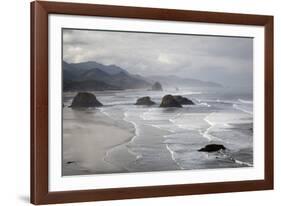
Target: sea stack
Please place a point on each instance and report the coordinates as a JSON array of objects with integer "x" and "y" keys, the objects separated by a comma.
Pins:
[
  {"x": 145, "y": 101},
  {"x": 85, "y": 99},
  {"x": 212, "y": 148},
  {"x": 169, "y": 101},
  {"x": 157, "y": 87},
  {"x": 183, "y": 100}
]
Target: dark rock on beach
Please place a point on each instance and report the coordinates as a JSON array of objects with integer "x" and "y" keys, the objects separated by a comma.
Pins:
[
  {"x": 169, "y": 101},
  {"x": 183, "y": 100},
  {"x": 145, "y": 101},
  {"x": 212, "y": 148},
  {"x": 157, "y": 87},
  {"x": 85, "y": 99}
]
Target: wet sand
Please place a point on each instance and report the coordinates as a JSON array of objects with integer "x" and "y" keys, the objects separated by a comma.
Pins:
[
  {"x": 121, "y": 137},
  {"x": 87, "y": 135}
]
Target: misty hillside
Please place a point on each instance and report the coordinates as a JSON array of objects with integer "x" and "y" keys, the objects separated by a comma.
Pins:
[
  {"x": 175, "y": 81},
  {"x": 96, "y": 76},
  {"x": 110, "y": 69}
]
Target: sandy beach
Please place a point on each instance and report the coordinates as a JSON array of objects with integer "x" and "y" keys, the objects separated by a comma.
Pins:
[
  {"x": 155, "y": 102},
  {"x": 121, "y": 137},
  {"x": 88, "y": 134}
]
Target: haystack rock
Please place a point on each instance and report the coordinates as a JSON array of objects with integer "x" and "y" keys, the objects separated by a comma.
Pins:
[
  {"x": 169, "y": 101},
  {"x": 85, "y": 99},
  {"x": 183, "y": 100},
  {"x": 212, "y": 148},
  {"x": 157, "y": 87},
  {"x": 144, "y": 101}
]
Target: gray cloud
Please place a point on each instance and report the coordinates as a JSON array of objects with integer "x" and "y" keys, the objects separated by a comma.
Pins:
[{"x": 227, "y": 60}]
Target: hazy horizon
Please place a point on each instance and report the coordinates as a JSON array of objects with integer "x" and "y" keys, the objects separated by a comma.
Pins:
[{"x": 225, "y": 60}]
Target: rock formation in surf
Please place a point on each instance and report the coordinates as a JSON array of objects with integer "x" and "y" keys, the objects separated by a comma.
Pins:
[
  {"x": 157, "y": 87},
  {"x": 85, "y": 99},
  {"x": 169, "y": 101},
  {"x": 183, "y": 100},
  {"x": 145, "y": 101},
  {"x": 212, "y": 148}
]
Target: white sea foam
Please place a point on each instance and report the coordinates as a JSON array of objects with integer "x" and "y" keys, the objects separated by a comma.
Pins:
[
  {"x": 120, "y": 103},
  {"x": 166, "y": 127},
  {"x": 126, "y": 144},
  {"x": 206, "y": 132},
  {"x": 137, "y": 131},
  {"x": 245, "y": 101},
  {"x": 205, "y": 104},
  {"x": 151, "y": 114},
  {"x": 201, "y": 103},
  {"x": 102, "y": 110},
  {"x": 243, "y": 163},
  {"x": 242, "y": 109},
  {"x": 173, "y": 156},
  {"x": 185, "y": 130},
  {"x": 215, "y": 101},
  {"x": 173, "y": 119}
]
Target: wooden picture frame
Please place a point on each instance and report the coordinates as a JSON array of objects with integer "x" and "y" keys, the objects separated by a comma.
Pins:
[{"x": 40, "y": 193}]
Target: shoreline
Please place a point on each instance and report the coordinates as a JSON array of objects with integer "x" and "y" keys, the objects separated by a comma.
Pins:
[
  {"x": 124, "y": 146},
  {"x": 118, "y": 138},
  {"x": 102, "y": 134}
]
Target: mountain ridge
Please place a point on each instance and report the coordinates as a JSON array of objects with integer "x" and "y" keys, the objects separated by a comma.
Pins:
[
  {"x": 92, "y": 75},
  {"x": 95, "y": 76}
]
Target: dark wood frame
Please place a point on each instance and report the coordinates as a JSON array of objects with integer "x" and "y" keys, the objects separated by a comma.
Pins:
[{"x": 39, "y": 102}]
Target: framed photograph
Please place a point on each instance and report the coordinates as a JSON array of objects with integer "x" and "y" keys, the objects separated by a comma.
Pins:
[{"x": 131, "y": 102}]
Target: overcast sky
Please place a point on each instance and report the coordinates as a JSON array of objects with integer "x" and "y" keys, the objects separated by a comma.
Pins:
[{"x": 226, "y": 60}]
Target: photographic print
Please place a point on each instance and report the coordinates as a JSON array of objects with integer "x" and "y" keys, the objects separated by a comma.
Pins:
[
  {"x": 135, "y": 102},
  {"x": 145, "y": 102}
]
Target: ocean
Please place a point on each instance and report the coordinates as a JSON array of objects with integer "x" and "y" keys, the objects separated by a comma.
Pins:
[{"x": 166, "y": 139}]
